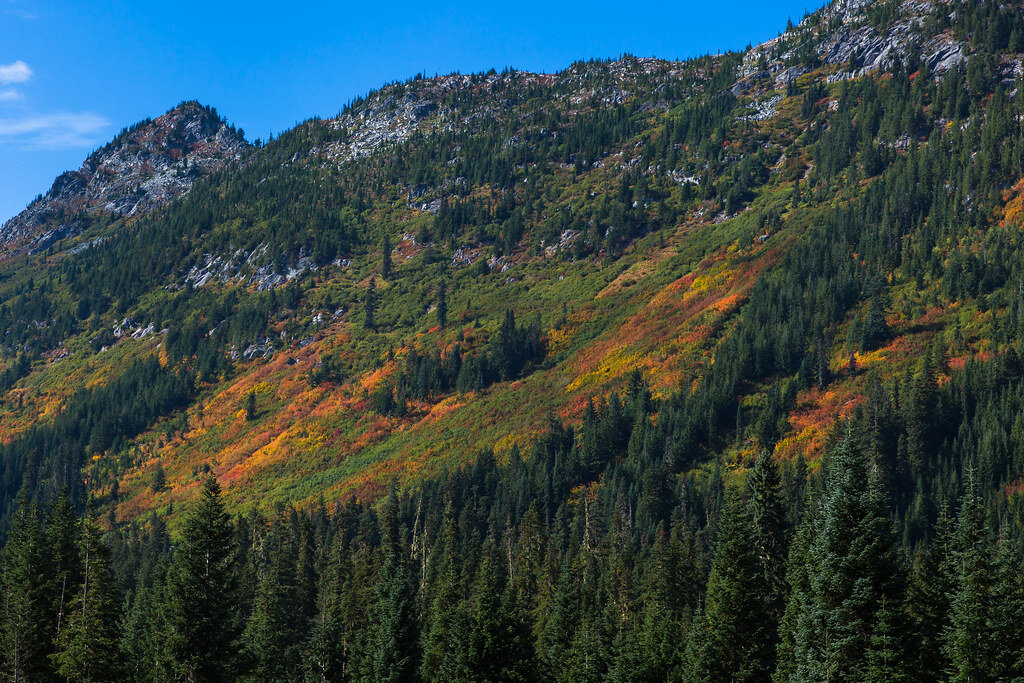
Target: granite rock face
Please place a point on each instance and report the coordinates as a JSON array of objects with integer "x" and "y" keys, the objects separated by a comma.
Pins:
[
  {"x": 843, "y": 35},
  {"x": 152, "y": 163}
]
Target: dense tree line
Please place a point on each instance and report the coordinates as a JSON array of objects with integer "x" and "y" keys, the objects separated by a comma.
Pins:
[
  {"x": 624, "y": 547},
  {"x": 514, "y": 572}
]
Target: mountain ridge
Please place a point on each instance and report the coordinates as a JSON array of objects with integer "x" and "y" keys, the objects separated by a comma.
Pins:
[
  {"x": 143, "y": 167},
  {"x": 635, "y": 205}
]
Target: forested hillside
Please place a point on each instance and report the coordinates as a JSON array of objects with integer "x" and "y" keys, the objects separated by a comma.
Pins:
[{"x": 705, "y": 370}]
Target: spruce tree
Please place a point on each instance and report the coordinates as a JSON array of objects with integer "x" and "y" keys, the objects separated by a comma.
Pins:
[
  {"x": 385, "y": 265},
  {"x": 442, "y": 304},
  {"x": 501, "y": 648},
  {"x": 930, "y": 588},
  {"x": 970, "y": 640},
  {"x": 443, "y": 655},
  {"x": 876, "y": 328},
  {"x": 735, "y": 626},
  {"x": 768, "y": 517},
  {"x": 886, "y": 660},
  {"x": 370, "y": 305},
  {"x": 25, "y": 623},
  {"x": 798, "y": 586},
  {"x": 87, "y": 648},
  {"x": 393, "y": 640},
  {"x": 852, "y": 568},
  {"x": 63, "y": 532},
  {"x": 274, "y": 628},
  {"x": 201, "y": 611}
]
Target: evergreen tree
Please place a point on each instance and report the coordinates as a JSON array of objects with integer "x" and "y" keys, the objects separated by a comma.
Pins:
[
  {"x": 735, "y": 627},
  {"x": 142, "y": 634},
  {"x": 63, "y": 532},
  {"x": 250, "y": 406},
  {"x": 385, "y": 265},
  {"x": 442, "y": 304},
  {"x": 393, "y": 641},
  {"x": 970, "y": 640},
  {"x": 200, "y": 608},
  {"x": 930, "y": 588},
  {"x": 876, "y": 329},
  {"x": 87, "y": 649},
  {"x": 798, "y": 584},
  {"x": 444, "y": 656},
  {"x": 274, "y": 628},
  {"x": 501, "y": 648},
  {"x": 852, "y": 568},
  {"x": 25, "y": 620},
  {"x": 370, "y": 305},
  {"x": 886, "y": 654},
  {"x": 768, "y": 516}
]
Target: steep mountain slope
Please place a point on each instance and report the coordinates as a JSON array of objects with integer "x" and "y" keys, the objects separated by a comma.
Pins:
[
  {"x": 348, "y": 282},
  {"x": 150, "y": 164},
  {"x": 704, "y": 370}
]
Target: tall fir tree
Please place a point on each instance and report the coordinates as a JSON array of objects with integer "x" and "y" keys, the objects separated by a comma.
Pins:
[
  {"x": 87, "y": 647},
  {"x": 200, "y": 611},
  {"x": 735, "y": 627},
  {"x": 500, "y": 648},
  {"x": 370, "y": 305},
  {"x": 385, "y": 263},
  {"x": 852, "y": 567},
  {"x": 25, "y": 623},
  {"x": 929, "y": 590},
  {"x": 63, "y": 532},
  {"x": 768, "y": 517},
  {"x": 394, "y": 653},
  {"x": 275, "y": 627},
  {"x": 970, "y": 639},
  {"x": 444, "y": 655},
  {"x": 442, "y": 304}
]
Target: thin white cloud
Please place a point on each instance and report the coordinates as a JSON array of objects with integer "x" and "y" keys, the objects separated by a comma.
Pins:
[
  {"x": 64, "y": 130},
  {"x": 15, "y": 72},
  {"x": 21, "y": 14},
  {"x": 11, "y": 95}
]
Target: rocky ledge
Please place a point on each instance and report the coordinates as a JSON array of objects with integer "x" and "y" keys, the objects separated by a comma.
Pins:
[{"x": 149, "y": 164}]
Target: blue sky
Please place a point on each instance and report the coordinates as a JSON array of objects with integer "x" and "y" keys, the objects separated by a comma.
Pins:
[{"x": 73, "y": 73}]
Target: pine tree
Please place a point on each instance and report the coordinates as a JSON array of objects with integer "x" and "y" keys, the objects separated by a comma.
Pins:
[
  {"x": 876, "y": 328},
  {"x": 274, "y": 628},
  {"x": 201, "y": 612},
  {"x": 385, "y": 266},
  {"x": 393, "y": 640},
  {"x": 443, "y": 655},
  {"x": 63, "y": 532},
  {"x": 250, "y": 406},
  {"x": 798, "y": 584},
  {"x": 768, "y": 516},
  {"x": 142, "y": 633},
  {"x": 501, "y": 648},
  {"x": 735, "y": 625},
  {"x": 87, "y": 648},
  {"x": 886, "y": 654},
  {"x": 325, "y": 653},
  {"x": 930, "y": 587},
  {"x": 25, "y": 624},
  {"x": 369, "y": 320},
  {"x": 969, "y": 639},
  {"x": 1008, "y": 594},
  {"x": 852, "y": 567}
]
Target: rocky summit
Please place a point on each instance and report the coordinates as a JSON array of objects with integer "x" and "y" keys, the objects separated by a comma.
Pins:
[{"x": 145, "y": 166}]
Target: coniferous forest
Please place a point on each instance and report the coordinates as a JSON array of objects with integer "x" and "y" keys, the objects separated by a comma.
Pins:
[{"x": 708, "y": 370}]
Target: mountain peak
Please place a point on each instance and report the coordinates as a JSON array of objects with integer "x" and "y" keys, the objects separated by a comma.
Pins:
[{"x": 146, "y": 165}]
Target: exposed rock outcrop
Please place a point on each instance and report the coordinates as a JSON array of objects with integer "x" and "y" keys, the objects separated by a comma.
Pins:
[{"x": 143, "y": 167}]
